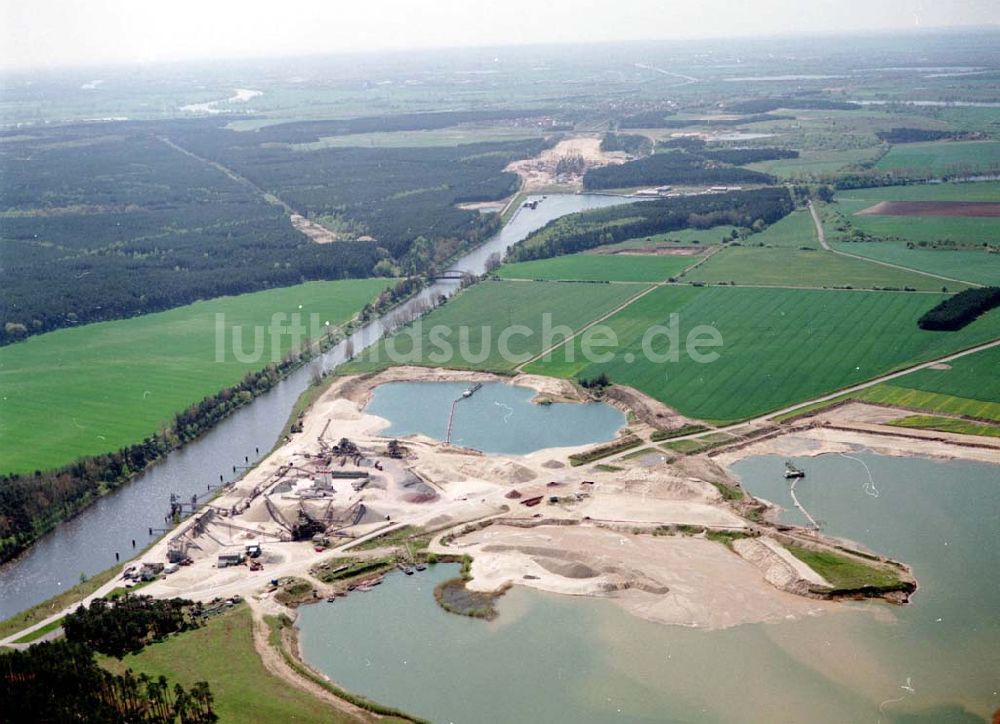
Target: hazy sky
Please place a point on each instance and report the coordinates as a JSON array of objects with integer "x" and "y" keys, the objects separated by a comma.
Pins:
[{"x": 82, "y": 32}]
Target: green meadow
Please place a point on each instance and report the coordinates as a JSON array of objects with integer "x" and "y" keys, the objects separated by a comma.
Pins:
[
  {"x": 957, "y": 247},
  {"x": 954, "y": 191},
  {"x": 813, "y": 162},
  {"x": 103, "y": 386},
  {"x": 969, "y": 386},
  {"x": 794, "y": 231},
  {"x": 942, "y": 157},
  {"x": 475, "y": 320},
  {"x": 792, "y": 267},
  {"x": 222, "y": 652},
  {"x": 897, "y": 395},
  {"x": 964, "y": 230},
  {"x": 601, "y": 267},
  {"x": 979, "y": 267},
  {"x": 779, "y": 346},
  {"x": 683, "y": 237}
]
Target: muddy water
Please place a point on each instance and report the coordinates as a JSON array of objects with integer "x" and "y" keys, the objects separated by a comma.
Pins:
[
  {"x": 498, "y": 418},
  {"x": 563, "y": 659}
]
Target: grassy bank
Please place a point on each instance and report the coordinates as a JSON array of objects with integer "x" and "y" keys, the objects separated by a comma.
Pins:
[
  {"x": 454, "y": 597},
  {"x": 282, "y": 637},
  {"x": 947, "y": 424},
  {"x": 846, "y": 573},
  {"x": 626, "y": 442},
  {"x": 222, "y": 652}
]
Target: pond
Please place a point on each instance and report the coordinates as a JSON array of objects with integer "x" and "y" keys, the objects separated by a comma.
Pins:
[
  {"x": 498, "y": 418},
  {"x": 567, "y": 659}
]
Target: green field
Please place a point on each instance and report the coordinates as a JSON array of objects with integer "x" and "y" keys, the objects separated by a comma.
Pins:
[
  {"x": 222, "y": 653},
  {"x": 965, "y": 230},
  {"x": 908, "y": 398},
  {"x": 841, "y": 571},
  {"x": 684, "y": 237},
  {"x": 484, "y": 311},
  {"x": 601, "y": 267},
  {"x": 794, "y": 231},
  {"x": 947, "y": 424},
  {"x": 955, "y": 191},
  {"x": 941, "y": 157},
  {"x": 792, "y": 267},
  {"x": 980, "y": 267},
  {"x": 780, "y": 346},
  {"x": 974, "y": 376},
  {"x": 969, "y": 387},
  {"x": 949, "y": 246},
  {"x": 103, "y": 386},
  {"x": 814, "y": 162},
  {"x": 454, "y": 136}
]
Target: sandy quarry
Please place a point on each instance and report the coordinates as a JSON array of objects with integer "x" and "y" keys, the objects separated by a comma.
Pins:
[
  {"x": 860, "y": 426},
  {"x": 603, "y": 535},
  {"x": 595, "y": 539},
  {"x": 540, "y": 173},
  {"x": 679, "y": 580}
]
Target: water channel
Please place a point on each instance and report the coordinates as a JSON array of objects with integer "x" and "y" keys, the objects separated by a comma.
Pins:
[{"x": 87, "y": 544}]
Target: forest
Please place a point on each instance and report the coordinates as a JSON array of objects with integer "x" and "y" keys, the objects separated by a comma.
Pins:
[
  {"x": 631, "y": 144},
  {"x": 766, "y": 105},
  {"x": 914, "y": 135},
  {"x": 740, "y": 156},
  {"x": 589, "y": 229},
  {"x": 128, "y": 623},
  {"x": 310, "y": 131},
  {"x": 673, "y": 167},
  {"x": 391, "y": 194},
  {"x": 960, "y": 310},
  {"x": 60, "y": 681},
  {"x": 105, "y": 222}
]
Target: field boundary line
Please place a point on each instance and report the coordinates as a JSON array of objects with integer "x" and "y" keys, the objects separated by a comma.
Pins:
[
  {"x": 620, "y": 307},
  {"x": 846, "y": 390},
  {"x": 821, "y": 235}
]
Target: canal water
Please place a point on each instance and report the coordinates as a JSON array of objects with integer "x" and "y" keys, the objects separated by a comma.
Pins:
[
  {"x": 87, "y": 544},
  {"x": 498, "y": 418},
  {"x": 566, "y": 659}
]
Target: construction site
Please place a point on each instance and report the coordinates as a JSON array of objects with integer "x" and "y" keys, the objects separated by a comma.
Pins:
[{"x": 339, "y": 487}]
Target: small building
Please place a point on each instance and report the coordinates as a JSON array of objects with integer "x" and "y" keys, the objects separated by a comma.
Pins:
[{"x": 231, "y": 556}]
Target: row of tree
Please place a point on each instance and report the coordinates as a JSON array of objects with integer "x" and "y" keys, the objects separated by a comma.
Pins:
[
  {"x": 671, "y": 167},
  {"x": 914, "y": 135},
  {"x": 586, "y": 230},
  {"x": 960, "y": 310}
]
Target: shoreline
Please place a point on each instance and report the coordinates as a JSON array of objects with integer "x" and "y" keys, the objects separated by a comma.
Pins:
[{"x": 633, "y": 503}]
